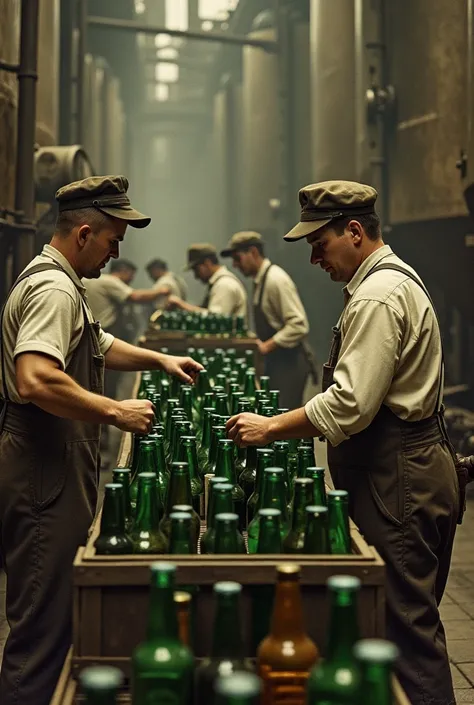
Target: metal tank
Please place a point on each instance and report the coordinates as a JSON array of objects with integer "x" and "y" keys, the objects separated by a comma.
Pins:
[
  {"x": 48, "y": 74},
  {"x": 429, "y": 71},
  {"x": 261, "y": 131},
  {"x": 9, "y": 42},
  {"x": 114, "y": 125}
]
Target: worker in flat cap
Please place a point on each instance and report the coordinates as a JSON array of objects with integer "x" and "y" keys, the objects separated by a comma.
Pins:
[
  {"x": 280, "y": 319},
  {"x": 381, "y": 413},
  {"x": 225, "y": 293},
  {"x": 53, "y": 355}
]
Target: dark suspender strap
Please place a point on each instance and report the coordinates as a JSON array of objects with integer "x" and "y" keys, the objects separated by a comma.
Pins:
[
  {"x": 262, "y": 287},
  {"x": 410, "y": 275}
]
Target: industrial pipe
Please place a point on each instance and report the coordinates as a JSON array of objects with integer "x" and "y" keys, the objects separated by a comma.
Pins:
[
  {"x": 23, "y": 250},
  {"x": 81, "y": 53}
]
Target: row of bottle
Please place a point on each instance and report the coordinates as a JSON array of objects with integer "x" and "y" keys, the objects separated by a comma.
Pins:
[
  {"x": 315, "y": 523},
  {"x": 289, "y": 667},
  {"x": 203, "y": 324}
]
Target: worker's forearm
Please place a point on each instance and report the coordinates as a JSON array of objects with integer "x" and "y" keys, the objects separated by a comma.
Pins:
[
  {"x": 130, "y": 358},
  {"x": 294, "y": 424},
  {"x": 60, "y": 395},
  {"x": 142, "y": 296},
  {"x": 192, "y": 308}
]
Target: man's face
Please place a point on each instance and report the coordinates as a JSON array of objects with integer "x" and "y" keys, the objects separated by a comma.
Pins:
[
  {"x": 245, "y": 262},
  {"x": 96, "y": 249},
  {"x": 127, "y": 275},
  {"x": 338, "y": 255},
  {"x": 202, "y": 271}
]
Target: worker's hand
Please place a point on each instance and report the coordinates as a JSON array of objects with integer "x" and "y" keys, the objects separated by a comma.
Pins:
[
  {"x": 174, "y": 302},
  {"x": 135, "y": 415},
  {"x": 264, "y": 348},
  {"x": 249, "y": 430},
  {"x": 184, "y": 368},
  {"x": 162, "y": 291}
]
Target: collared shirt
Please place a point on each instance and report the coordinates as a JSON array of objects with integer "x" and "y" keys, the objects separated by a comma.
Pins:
[
  {"x": 390, "y": 353},
  {"x": 44, "y": 314},
  {"x": 281, "y": 305},
  {"x": 227, "y": 295},
  {"x": 106, "y": 296},
  {"x": 176, "y": 286}
]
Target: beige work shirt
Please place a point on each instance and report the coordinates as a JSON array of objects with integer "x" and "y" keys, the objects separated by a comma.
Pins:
[
  {"x": 390, "y": 353},
  {"x": 176, "y": 287},
  {"x": 281, "y": 305},
  {"x": 228, "y": 295},
  {"x": 106, "y": 296},
  {"x": 44, "y": 314}
]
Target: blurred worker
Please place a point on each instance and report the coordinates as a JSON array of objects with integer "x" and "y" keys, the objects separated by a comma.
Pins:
[
  {"x": 381, "y": 412},
  {"x": 225, "y": 293},
  {"x": 158, "y": 271},
  {"x": 280, "y": 318},
  {"x": 52, "y": 360}
]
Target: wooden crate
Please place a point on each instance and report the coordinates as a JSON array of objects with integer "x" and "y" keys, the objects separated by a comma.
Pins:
[
  {"x": 67, "y": 690},
  {"x": 177, "y": 343}
]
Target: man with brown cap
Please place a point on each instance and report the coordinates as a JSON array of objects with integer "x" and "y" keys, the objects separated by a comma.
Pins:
[
  {"x": 52, "y": 361},
  {"x": 225, "y": 293},
  {"x": 380, "y": 410},
  {"x": 280, "y": 319}
]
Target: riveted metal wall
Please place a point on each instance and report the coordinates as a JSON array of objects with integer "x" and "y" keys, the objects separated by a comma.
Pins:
[
  {"x": 428, "y": 69},
  {"x": 261, "y": 133}
]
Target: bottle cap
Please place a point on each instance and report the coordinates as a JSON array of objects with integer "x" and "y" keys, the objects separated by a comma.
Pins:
[
  {"x": 101, "y": 678},
  {"x": 316, "y": 509},
  {"x": 288, "y": 570},
  {"x": 182, "y": 597},
  {"x": 227, "y": 587},
  {"x": 343, "y": 582},
  {"x": 269, "y": 512},
  {"x": 376, "y": 651},
  {"x": 239, "y": 684}
]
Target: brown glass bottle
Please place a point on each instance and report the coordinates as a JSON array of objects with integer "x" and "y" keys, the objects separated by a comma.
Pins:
[
  {"x": 183, "y": 602},
  {"x": 286, "y": 656}
]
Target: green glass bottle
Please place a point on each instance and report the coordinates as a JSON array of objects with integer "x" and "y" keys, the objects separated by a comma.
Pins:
[
  {"x": 175, "y": 386},
  {"x": 335, "y": 681},
  {"x": 176, "y": 418},
  {"x": 173, "y": 403},
  {"x": 225, "y": 466},
  {"x": 222, "y": 405},
  {"x": 165, "y": 391},
  {"x": 273, "y": 497},
  {"x": 202, "y": 386},
  {"x": 238, "y": 689},
  {"x": 269, "y": 537},
  {"x": 221, "y": 380},
  {"x": 274, "y": 395},
  {"x": 376, "y": 659},
  {"x": 162, "y": 473},
  {"x": 145, "y": 380},
  {"x": 146, "y": 463},
  {"x": 265, "y": 459},
  {"x": 237, "y": 397},
  {"x": 146, "y": 535},
  {"x": 250, "y": 385},
  {"x": 282, "y": 449},
  {"x": 162, "y": 666},
  {"x": 217, "y": 434},
  {"x": 220, "y": 502},
  {"x": 338, "y": 513},
  {"x": 319, "y": 488},
  {"x": 100, "y": 684},
  {"x": 112, "y": 539},
  {"x": 155, "y": 399},
  {"x": 242, "y": 370},
  {"x": 181, "y": 541},
  {"x": 260, "y": 397},
  {"x": 179, "y": 493},
  {"x": 305, "y": 459},
  {"x": 122, "y": 476},
  {"x": 203, "y": 452},
  {"x": 316, "y": 535},
  {"x": 182, "y": 428},
  {"x": 227, "y": 652},
  {"x": 228, "y": 539},
  {"x": 265, "y": 383},
  {"x": 189, "y": 455},
  {"x": 187, "y": 401},
  {"x": 294, "y": 540}
]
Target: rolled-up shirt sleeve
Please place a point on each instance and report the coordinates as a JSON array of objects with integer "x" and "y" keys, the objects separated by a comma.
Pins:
[
  {"x": 295, "y": 322},
  {"x": 369, "y": 355}
]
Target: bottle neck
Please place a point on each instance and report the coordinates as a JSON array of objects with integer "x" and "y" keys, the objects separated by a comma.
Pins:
[
  {"x": 192, "y": 461},
  {"x": 287, "y": 618},
  {"x": 316, "y": 534},
  {"x": 269, "y": 538},
  {"x": 206, "y": 432},
  {"x": 160, "y": 457},
  {"x": 146, "y": 459},
  {"x": 180, "y": 538},
  {"x": 339, "y": 534},
  {"x": 179, "y": 490},
  {"x": 344, "y": 628},
  {"x": 227, "y": 640},
  {"x": 148, "y": 514},
  {"x": 299, "y": 505},
  {"x": 225, "y": 465},
  {"x": 274, "y": 496},
  {"x": 113, "y": 520},
  {"x": 251, "y": 463},
  {"x": 226, "y": 539},
  {"x": 162, "y": 619},
  {"x": 263, "y": 461},
  {"x": 376, "y": 684},
  {"x": 222, "y": 504}
]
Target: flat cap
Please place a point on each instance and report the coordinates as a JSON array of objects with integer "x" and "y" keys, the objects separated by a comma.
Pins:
[
  {"x": 240, "y": 241},
  {"x": 198, "y": 252},
  {"x": 106, "y": 193},
  {"x": 320, "y": 203}
]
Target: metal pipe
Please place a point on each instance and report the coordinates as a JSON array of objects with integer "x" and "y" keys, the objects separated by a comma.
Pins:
[
  {"x": 470, "y": 92},
  {"x": 81, "y": 53},
  {"x": 11, "y": 68},
  {"x": 24, "y": 182},
  {"x": 131, "y": 26}
]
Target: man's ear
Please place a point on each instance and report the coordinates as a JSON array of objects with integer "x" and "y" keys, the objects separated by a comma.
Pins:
[
  {"x": 83, "y": 234},
  {"x": 356, "y": 230}
]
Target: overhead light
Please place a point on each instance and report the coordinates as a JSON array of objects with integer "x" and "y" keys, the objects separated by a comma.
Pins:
[
  {"x": 167, "y": 53},
  {"x": 162, "y": 92},
  {"x": 162, "y": 40},
  {"x": 207, "y": 25},
  {"x": 166, "y": 73},
  {"x": 217, "y": 10},
  {"x": 176, "y": 13},
  {"x": 140, "y": 7}
]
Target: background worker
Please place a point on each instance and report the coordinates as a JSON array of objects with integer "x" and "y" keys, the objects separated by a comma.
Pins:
[
  {"x": 225, "y": 293},
  {"x": 280, "y": 319},
  {"x": 381, "y": 412},
  {"x": 162, "y": 277},
  {"x": 53, "y": 355}
]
